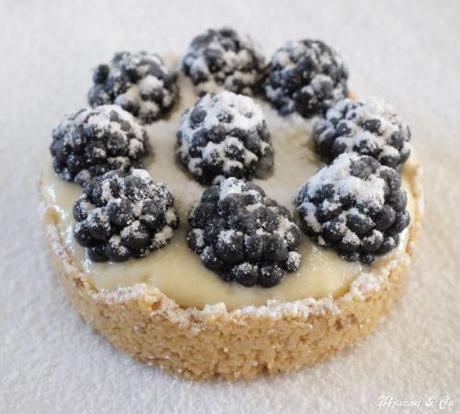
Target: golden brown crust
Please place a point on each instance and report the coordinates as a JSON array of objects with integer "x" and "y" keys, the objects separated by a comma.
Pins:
[{"x": 202, "y": 344}]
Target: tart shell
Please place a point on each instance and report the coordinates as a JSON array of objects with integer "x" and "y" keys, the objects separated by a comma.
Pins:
[{"x": 216, "y": 342}]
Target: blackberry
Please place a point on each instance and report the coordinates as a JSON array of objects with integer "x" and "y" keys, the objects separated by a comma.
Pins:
[
  {"x": 369, "y": 128},
  {"x": 92, "y": 141},
  {"x": 123, "y": 215},
  {"x": 224, "y": 135},
  {"x": 243, "y": 235},
  {"x": 306, "y": 76},
  {"x": 224, "y": 58},
  {"x": 355, "y": 206},
  {"x": 139, "y": 82}
]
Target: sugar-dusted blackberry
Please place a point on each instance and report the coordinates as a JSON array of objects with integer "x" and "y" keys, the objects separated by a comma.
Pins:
[
  {"x": 355, "y": 206},
  {"x": 123, "y": 215},
  {"x": 306, "y": 76},
  {"x": 366, "y": 127},
  {"x": 92, "y": 141},
  {"x": 243, "y": 235},
  {"x": 224, "y": 135},
  {"x": 139, "y": 82},
  {"x": 223, "y": 58}
]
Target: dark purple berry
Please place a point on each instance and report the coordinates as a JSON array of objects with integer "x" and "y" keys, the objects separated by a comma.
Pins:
[
  {"x": 138, "y": 82},
  {"x": 91, "y": 142},
  {"x": 223, "y": 58},
  {"x": 306, "y": 76},
  {"x": 235, "y": 146},
  {"x": 123, "y": 215},
  {"x": 243, "y": 235},
  {"x": 355, "y": 206},
  {"x": 370, "y": 128}
]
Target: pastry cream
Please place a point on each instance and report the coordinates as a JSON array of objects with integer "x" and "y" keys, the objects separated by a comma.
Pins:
[{"x": 175, "y": 269}]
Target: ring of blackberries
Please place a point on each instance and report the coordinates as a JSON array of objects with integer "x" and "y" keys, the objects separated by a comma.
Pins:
[{"x": 123, "y": 214}]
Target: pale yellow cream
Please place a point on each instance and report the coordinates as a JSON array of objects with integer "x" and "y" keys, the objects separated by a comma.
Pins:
[{"x": 178, "y": 272}]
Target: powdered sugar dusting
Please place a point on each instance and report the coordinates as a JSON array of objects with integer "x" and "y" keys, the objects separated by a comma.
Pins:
[
  {"x": 369, "y": 191},
  {"x": 100, "y": 121},
  {"x": 273, "y": 309}
]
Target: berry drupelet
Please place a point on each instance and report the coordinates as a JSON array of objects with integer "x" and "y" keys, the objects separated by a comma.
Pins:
[
  {"x": 355, "y": 206},
  {"x": 139, "y": 82},
  {"x": 91, "y": 142},
  {"x": 368, "y": 128},
  {"x": 123, "y": 215},
  {"x": 224, "y": 135},
  {"x": 243, "y": 235},
  {"x": 224, "y": 58},
  {"x": 306, "y": 76}
]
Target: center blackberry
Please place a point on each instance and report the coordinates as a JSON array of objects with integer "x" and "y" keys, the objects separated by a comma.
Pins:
[
  {"x": 306, "y": 76},
  {"x": 139, "y": 82},
  {"x": 92, "y": 141},
  {"x": 243, "y": 235},
  {"x": 223, "y": 57},
  {"x": 123, "y": 215},
  {"x": 224, "y": 135},
  {"x": 355, "y": 206}
]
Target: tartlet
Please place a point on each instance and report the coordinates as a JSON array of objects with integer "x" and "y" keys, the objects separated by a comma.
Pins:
[{"x": 166, "y": 309}]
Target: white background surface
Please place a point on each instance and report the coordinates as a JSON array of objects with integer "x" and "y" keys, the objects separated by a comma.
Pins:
[{"x": 51, "y": 362}]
